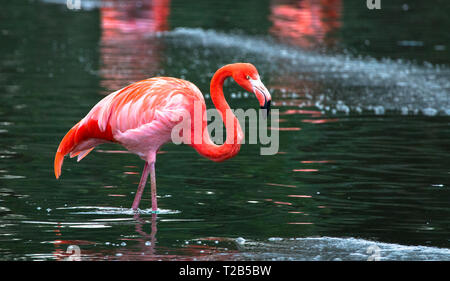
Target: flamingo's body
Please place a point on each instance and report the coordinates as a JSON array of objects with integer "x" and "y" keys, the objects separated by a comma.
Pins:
[{"x": 142, "y": 115}]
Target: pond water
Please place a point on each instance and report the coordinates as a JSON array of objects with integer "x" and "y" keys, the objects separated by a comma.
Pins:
[{"x": 363, "y": 166}]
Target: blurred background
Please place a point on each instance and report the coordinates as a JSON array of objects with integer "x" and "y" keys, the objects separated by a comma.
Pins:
[{"x": 364, "y": 128}]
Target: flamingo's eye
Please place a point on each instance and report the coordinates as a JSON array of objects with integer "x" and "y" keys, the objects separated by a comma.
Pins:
[{"x": 248, "y": 77}]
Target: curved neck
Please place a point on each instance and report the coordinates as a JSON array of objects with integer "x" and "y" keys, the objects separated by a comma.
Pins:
[{"x": 234, "y": 133}]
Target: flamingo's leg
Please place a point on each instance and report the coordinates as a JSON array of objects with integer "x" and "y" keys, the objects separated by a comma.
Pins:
[
  {"x": 153, "y": 186},
  {"x": 141, "y": 186}
]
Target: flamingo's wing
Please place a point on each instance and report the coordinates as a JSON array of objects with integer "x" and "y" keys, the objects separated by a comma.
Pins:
[{"x": 138, "y": 109}]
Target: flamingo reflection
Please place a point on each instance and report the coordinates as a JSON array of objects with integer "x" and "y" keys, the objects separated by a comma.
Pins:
[
  {"x": 306, "y": 23},
  {"x": 128, "y": 52},
  {"x": 144, "y": 246}
]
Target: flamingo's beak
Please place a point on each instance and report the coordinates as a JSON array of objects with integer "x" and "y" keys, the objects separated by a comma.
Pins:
[
  {"x": 266, "y": 106},
  {"x": 262, "y": 94}
]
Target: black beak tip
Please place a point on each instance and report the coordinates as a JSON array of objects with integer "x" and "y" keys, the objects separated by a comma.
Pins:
[{"x": 266, "y": 107}]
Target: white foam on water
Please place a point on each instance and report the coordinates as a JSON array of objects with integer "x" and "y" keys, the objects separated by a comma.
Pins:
[
  {"x": 94, "y": 210},
  {"x": 382, "y": 85},
  {"x": 332, "y": 248}
]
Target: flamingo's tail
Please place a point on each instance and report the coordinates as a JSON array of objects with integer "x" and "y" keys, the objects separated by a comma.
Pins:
[
  {"x": 80, "y": 140},
  {"x": 66, "y": 145}
]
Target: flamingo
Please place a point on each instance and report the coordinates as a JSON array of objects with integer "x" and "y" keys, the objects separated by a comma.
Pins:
[{"x": 141, "y": 116}]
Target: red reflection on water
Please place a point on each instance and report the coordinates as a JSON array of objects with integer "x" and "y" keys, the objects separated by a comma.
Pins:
[
  {"x": 282, "y": 203},
  {"x": 306, "y": 23},
  {"x": 300, "y": 196},
  {"x": 319, "y": 121},
  {"x": 60, "y": 252},
  {"x": 128, "y": 53},
  {"x": 305, "y": 170},
  {"x": 131, "y": 173}
]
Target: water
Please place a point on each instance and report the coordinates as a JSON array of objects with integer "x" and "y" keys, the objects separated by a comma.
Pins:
[{"x": 363, "y": 166}]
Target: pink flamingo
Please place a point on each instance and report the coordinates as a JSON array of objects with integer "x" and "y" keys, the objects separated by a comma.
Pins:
[{"x": 140, "y": 118}]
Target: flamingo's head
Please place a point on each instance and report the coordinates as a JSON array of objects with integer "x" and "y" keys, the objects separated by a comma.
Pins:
[{"x": 247, "y": 77}]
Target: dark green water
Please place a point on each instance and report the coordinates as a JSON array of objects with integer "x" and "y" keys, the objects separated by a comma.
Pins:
[{"x": 364, "y": 115}]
